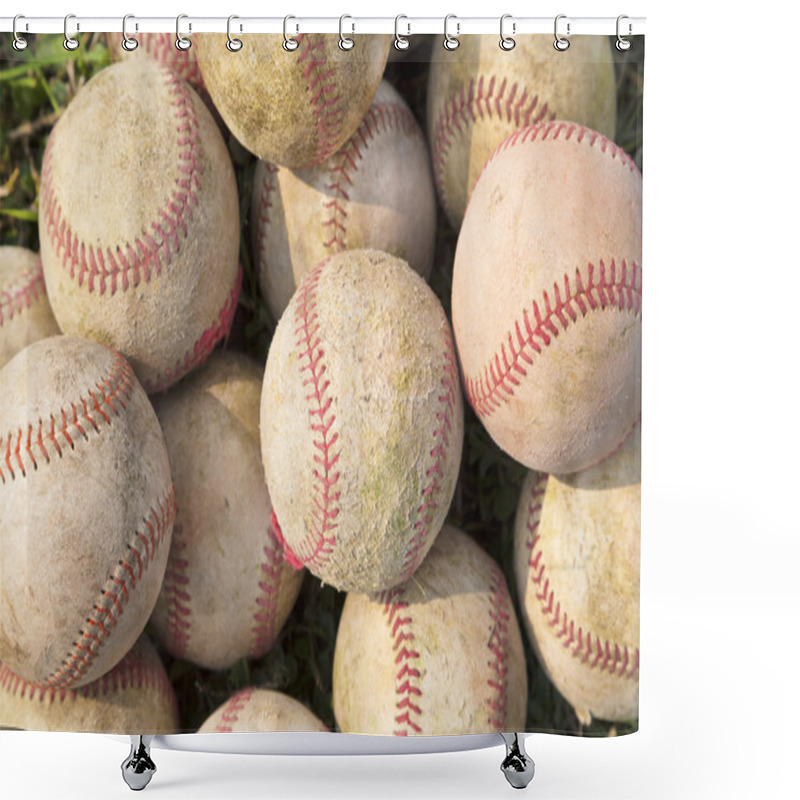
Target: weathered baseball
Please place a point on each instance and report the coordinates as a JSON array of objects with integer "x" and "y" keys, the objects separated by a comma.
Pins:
[
  {"x": 135, "y": 696},
  {"x": 576, "y": 559},
  {"x": 547, "y": 297},
  {"x": 88, "y": 507},
  {"x": 25, "y": 314},
  {"x": 361, "y": 421},
  {"x": 478, "y": 95},
  {"x": 227, "y": 590},
  {"x": 252, "y": 710},
  {"x": 375, "y": 192},
  {"x": 140, "y": 247},
  {"x": 294, "y": 109},
  {"x": 159, "y": 47},
  {"x": 441, "y": 654}
]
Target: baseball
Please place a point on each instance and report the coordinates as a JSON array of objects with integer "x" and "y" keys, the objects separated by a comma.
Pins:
[
  {"x": 222, "y": 527},
  {"x": 576, "y": 561},
  {"x": 254, "y": 710},
  {"x": 25, "y": 314},
  {"x": 159, "y": 47},
  {"x": 140, "y": 247},
  {"x": 441, "y": 654},
  {"x": 135, "y": 695},
  {"x": 361, "y": 421},
  {"x": 375, "y": 192},
  {"x": 547, "y": 297},
  {"x": 478, "y": 95},
  {"x": 88, "y": 507}
]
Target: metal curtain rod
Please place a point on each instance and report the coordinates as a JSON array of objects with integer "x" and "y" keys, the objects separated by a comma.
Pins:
[{"x": 458, "y": 26}]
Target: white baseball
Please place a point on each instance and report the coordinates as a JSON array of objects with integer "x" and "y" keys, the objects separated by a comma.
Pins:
[{"x": 252, "y": 710}]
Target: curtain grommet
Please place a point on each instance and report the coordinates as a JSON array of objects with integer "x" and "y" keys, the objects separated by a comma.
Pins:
[
  {"x": 622, "y": 44},
  {"x": 129, "y": 43},
  {"x": 290, "y": 44},
  {"x": 233, "y": 44},
  {"x": 20, "y": 43},
  {"x": 561, "y": 43},
  {"x": 70, "y": 42},
  {"x": 401, "y": 42},
  {"x": 451, "y": 42},
  {"x": 182, "y": 43}
]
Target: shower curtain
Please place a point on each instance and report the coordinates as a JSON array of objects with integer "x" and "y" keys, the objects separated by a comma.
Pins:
[{"x": 320, "y": 385}]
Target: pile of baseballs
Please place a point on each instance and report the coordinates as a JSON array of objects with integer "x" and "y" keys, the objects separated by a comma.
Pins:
[{"x": 165, "y": 495}]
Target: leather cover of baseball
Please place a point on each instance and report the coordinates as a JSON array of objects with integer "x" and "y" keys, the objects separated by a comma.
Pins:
[{"x": 253, "y": 710}]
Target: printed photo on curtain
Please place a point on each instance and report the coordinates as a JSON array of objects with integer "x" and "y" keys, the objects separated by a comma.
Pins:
[{"x": 320, "y": 385}]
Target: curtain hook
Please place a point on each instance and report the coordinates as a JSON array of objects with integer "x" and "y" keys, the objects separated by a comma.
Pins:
[
  {"x": 622, "y": 43},
  {"x": 70, "y": 42},
  {"x": 345, "y": 43},
  {"x": 234, "y": 45},
  {"x": 290, "y": 44},
  {"x": 401, "y": 42},
  {"x": 451, "y": 42},
  {"x": 181, "y": 42},
  {"x": 560, "y": 42},
  {"x": 506, "y": 42},
  {"x": 20, "y": 42},
  {"x": 129, "y": 43}
]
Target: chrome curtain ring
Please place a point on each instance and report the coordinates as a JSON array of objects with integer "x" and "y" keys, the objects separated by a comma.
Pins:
[
  {"x": 560, "y": 43},
  {"x": 506, "y": 42},
  {"x": 290, "y": 44},
  {"x": 20, "y": 43},
  {"x": 451, "y": 42},
  {"x": 70, "y": 42},
  {"x": 622, "y": 43},
  {"x": 128, "y": 42},
  {"x": 401, "y": 42},
  {"x": 345, "y": 43},
  {"x": 181, "y": 42},
  {"x": 234, "y": 45}
]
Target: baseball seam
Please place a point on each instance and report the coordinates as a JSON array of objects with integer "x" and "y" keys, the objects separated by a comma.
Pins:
[
  {"x": 436, "y": 472},
  {"x": 326, "y": 105},
  {"x": 110, "y": 605},
  {"x": 30, "y": 447},
  {"x": 407, "y": 689},
  {"x": 162, "y": 48},
  {"x": 22, "y": 293},
  {"x": 269, "y": 184},
  {"x": 381, "y": 118},
  {"x": 129, "y": 673},
  {"x": 599, "y": 288},
  {"x": 325, "y": 497},
  {"x": 230, "y": 713},
  {"x": 588, "y": 648},
  {"x": 490, "y": 98},
  {"x": 177, "y": 596},
  {"x": 271, "y": 569},
  {"x": 500, "y": 615},
  {"x": 124, "y": 265}
]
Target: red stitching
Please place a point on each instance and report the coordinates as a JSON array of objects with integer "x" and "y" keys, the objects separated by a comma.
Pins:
[
  {"x": 407, "y": 678},
  {"x": 492, "y": 98},
  {"x": 599, "y": 288},
  {"x": 230, "y": 713},
  {"x": 20, "y": 448},
  {"x": 161, "y": 47},
  {"x": 133, "y": 671},
  {"x": 154, "y": 248},
  {"x": 267, "y": 601},
  {"x": 587, "y": 647},
  {"x": 326, "y": 105},
  {"x": 435, "y": 473},
  {"x": 500, "y": 614},
  {"x": 319, "y": 542},
  {"x": 176, "y": 592},
  {"x": 203, "y": 346},
  {"x": 269, "y": 184},
  {"x": 114, "y": 595},
  {"x": 22, "y": 292}
]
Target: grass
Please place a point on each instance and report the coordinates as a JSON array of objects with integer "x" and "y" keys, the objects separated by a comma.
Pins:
[{"x": 35, "y": 87}]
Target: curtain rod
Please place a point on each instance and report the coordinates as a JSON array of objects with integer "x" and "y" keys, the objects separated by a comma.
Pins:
[{"x": 456, "y": 26}]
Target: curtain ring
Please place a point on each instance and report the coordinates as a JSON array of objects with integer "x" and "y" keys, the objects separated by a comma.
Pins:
[
  {"x": 70, "y": 42},
  {"x": 129, "y": 43},
  {"x": 345, "y": 43},
  {"x": 506, "y": 42},
  {"x": 451, "y": 42},
  {"x": 181, "y": 42},
  {"x": 20, "y": 42},
  {"x": 290, "y": 44},
  {"x": 234, "y": 45},
  {"x": 401, "y": 42},
  {"x": 622, "y": 43},
  {"x": 560, "y": 43}
]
